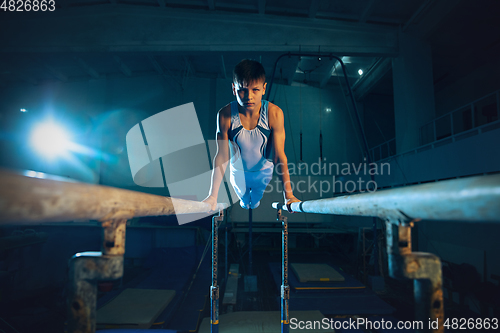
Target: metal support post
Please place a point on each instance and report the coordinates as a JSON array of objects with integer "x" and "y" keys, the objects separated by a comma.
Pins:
[
  {"x": 250, "y": 279},
  {"x": 86, "y": 269},
  {"x": 225, "y": 255},
  {"x": 424, "y": 269},
  {"x": 214, "y": 289},
  {"x": 285, "y": 289},
  {"x": 250, "y": 241}
]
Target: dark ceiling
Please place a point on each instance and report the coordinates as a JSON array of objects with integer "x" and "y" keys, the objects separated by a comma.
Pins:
[{"x": 98, "y": 39}]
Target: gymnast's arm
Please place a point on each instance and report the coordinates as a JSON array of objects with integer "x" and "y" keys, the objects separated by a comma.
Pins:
[
  {"x": 222, "y": 155},
  {"x": 276, "y": 122}
]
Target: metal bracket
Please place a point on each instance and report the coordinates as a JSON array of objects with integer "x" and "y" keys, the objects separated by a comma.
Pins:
[
  {"x": 278, "y": 212},
  {"x": 214, "y": 292},
  {"x": 285, "y": 292},
  {"x": 86, "y": 269}
]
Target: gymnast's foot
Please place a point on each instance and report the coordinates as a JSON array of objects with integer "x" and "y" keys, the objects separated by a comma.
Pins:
[{"x": 249, "y": 206}]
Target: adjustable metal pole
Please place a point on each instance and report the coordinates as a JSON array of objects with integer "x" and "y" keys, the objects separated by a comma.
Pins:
[
  {"x": 250, "y": 242},
  {"x": 225, "y": 255},
  {"x": 214, "y": 289},
  {"x": 285, "y": 289}
]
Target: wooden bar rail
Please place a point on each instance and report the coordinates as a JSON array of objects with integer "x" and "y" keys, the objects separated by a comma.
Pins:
[
  {"x": 32, "y": 197},
  {"x": 472, "y": 199},
  {"x": 35, "y": 198}
]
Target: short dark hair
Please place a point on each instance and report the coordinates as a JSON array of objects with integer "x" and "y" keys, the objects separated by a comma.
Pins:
[{"x": 247, "y": 71}]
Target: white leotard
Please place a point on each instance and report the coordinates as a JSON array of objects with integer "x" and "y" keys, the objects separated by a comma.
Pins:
[
  {"x": 251, "y": 153},
  {"x": 251, "y": 150}
]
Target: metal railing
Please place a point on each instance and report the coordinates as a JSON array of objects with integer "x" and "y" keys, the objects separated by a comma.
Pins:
[
  {"x": 476, "y": 114},
  {"x": 33, "y": 198},
  {"x": 383, "y": 150},
  {"x": 474, "y": 199},
  {"x": 463, "y": 121}
]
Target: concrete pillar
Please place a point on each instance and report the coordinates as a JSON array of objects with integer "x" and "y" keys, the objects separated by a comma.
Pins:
[{"x": 413, "y": 90}]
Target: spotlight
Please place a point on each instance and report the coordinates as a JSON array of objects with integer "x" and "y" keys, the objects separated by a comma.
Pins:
[
  {"x": 360, "y": 72},
  {"x": 23, "y": 110},
  {"x": 328, "y": 110},
  {"x": 49, "y": 139}
]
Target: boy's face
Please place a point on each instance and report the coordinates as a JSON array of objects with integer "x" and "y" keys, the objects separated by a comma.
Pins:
[{"x": 249, "y": 95}]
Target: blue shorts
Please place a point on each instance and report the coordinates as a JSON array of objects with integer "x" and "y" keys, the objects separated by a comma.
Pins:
[{"x": 250, "y": 186}]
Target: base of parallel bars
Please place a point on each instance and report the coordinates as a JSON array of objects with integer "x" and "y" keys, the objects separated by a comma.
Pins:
[
  {"x": 285, "y": 289},
  {"x": 423, "y": 268},
  {"x": 214, "y": 289},
  {"x": 285, "y": 319},
  {"x": 85, "y": 270}
]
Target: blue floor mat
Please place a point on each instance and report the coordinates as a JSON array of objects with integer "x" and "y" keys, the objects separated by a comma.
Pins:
[
  {"x": 350, "y": 283},
  {"x": 335, "y": 301},
  {"x": 173, "y": 269},
  {"x": 189, "y": 312}
]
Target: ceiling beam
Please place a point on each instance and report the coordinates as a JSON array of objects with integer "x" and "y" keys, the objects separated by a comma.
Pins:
[
  {"x": 321, "y": 15},
  {"x": 211, "y": 4},
  {"x": 428, "y": 17},
  {"x": 330, "y": 65},
  {"x": 367, "y": 11},
  {"x": 156, "y": 65},
  {"x": 423, "y": 7},
  {"x": 179, "y": 75},
  {"x": 163, "y": 71},
  {"x": 262, "y": 7},
  {"x": 119, "y": 28},
  {"x": 289, "y": 65},
  {"x": 313, "y": 8},
  {"x": 190, "y": 70},
  {"x": 367, "y": 82},
  {"x": 56, "y": 73},
  {"x": 123, "y": 68},
  {"x": 223, "y": 67},
  {"x": 250, "y": 7},
  {"x": 90, "y": 71}
]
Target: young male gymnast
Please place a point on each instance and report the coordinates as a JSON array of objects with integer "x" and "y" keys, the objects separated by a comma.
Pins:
[{"x": 253, "y": 131}]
